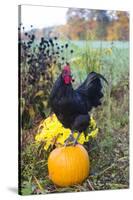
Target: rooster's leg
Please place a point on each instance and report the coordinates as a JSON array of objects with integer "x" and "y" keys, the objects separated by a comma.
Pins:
[
  {"x": 76, "y": 139},
  {"x": 69, "y": 139}
]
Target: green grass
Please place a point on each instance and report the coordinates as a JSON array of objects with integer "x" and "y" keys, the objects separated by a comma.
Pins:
[
  {"x": 104, "y": 44},
  {"x": 109, "y": 152}
]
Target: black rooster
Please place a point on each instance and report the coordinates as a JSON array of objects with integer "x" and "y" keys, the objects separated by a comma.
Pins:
[{"x": 72, "y": 106}]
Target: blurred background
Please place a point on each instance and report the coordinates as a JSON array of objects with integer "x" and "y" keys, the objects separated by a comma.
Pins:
[
  {"x": 76, "y": 24},
  {"x": 90, "y": 40}
]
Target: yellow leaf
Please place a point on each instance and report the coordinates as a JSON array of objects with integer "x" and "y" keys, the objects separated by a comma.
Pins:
[
  {"x": 39, "y": 93},
  {"x": 51, "y": 128},
  {"x": 31, "y": 112}
]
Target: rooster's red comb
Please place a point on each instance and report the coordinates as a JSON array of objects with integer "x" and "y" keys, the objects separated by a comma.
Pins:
[{"x": 67, "y": 68}]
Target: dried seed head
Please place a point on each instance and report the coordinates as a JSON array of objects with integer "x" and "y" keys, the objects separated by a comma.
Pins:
[
  {"x": 66, "y": 45},
  {"x": 71, "y": 51}
]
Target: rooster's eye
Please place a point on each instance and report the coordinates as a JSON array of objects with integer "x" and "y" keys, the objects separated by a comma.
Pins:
[{"x": 65, "y": 73}]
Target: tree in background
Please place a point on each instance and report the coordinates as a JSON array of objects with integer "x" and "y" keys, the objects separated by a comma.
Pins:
[
  {"x": 104, "y": 24},
  {"x": 85, "y": 24},
  {"x": 77, "y": 20},
  {"x": 119, "y": 27},
  {"x": 103, "y": 21}
]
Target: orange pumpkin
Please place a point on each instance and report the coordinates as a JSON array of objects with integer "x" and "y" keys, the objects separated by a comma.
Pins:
[{"x": 68, "y": 165}]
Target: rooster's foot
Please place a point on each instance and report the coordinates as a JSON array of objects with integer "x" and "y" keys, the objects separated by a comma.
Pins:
[
  {"x": 76, "y": 140},
  {"x": 69, "y": 140}
]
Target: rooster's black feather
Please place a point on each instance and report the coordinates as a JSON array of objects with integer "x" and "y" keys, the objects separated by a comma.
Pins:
[{"x": 72, "y": 106}]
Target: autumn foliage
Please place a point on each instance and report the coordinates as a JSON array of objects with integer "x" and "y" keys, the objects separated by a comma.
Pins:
[{"x": 81, "y": 24}]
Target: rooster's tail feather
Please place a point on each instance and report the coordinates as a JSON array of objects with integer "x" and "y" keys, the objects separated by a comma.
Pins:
[{"x": 91, "y": 89}]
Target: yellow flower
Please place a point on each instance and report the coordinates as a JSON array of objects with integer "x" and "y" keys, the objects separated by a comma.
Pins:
[
  {"x": 92, "y": 123},
  {"x": 52, "y": 132}
]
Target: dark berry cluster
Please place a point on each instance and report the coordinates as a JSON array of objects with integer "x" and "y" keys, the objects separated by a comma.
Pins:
[{"x": 39, "y": 61}]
